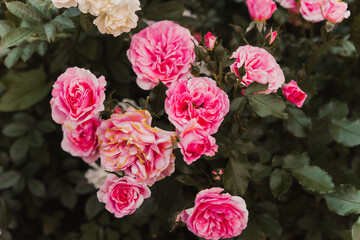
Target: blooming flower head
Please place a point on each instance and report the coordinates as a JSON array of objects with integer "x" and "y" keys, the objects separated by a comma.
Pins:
[
  {"x": 77, "y": 96},
  {"x": 64, "y": 3},
  {"x": 163, "y": 51},
  {"x": 289, "y": 4},
  {"x": 216, "y": 215},
  {"x": 199, "y": 99},
  {"x": 311, "y": 10},
  {"x": 294, "y": 94},
  {"x": 260, "y": 66},
  {"x": 210, "y": 40},
  {"x": 195, "y": 142},
  {"x": 82, "y": 141},
  {"x": 334, "y": 10},
  {"x": 261, "y": 10},
  {"x": 122, "y": 196},
  {"x": 96, "y": 175},
  {"x": 129, "y": 143}
]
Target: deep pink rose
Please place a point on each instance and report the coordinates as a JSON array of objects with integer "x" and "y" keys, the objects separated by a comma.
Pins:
[
  {"x": 129, "y": 143},
  {"x": 216, "y": 215},
  {"x": 163, "y": 51},
  {"x": 261, "y": 10},
  {"x": 122, "y": 196},
  {"x": 77, "y": 96},
  {"x": 195, "y": 142},
  {"x": 294, "y": 94},
  {"x": 260, "y": 66},
  {"x": 199, "y": 99},
  {"x": 289, "y": 4},
  {"x": 82, "y": 140},
  {"x": 210, "y": 40},
  {"x": 334, "y": 10},
  {"x": 311, "y": 10}
]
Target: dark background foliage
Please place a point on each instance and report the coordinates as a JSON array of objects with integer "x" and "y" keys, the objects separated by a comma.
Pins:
[{"x": 299, "y": 175}]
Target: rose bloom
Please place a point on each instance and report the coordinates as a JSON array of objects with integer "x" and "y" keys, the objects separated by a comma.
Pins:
[
  {"x": 96, "y": 175},
  {"x": 163, "y": 51},
  {"x": 334, "y": 10},
  {"x": 260, "y": 66},
  {"x": 82, "y": 141},
  {"x": 129, "y": 143},
  {"x": 294, "y": 94},
  {"x": 198, "y": 98},
  {"x": 289, "y": 4},
  {"x": 195, "y": 142},
  {"x": 210, "y": 40},
  {"x": 64, "y": 3},
  {"x": 311, "y": 10},
  {"x": 261, "y": 10},
  {"x": 96, "y": 7},
  {"x": 216, "y": 215},
  {"x": 77, "y": 96},
  {"x": 120, "y": 19},
  {"x": 122, "y": 196}
]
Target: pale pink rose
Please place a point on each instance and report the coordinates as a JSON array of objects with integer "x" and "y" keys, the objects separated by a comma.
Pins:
[
  {"x": 82, "y": 141},
  {"x": 210, "y": 40},
  {"x": 216, "y": 215},
  {"x": 260, "y": 66},
  {"x": 122, "y": 196},
  {"x": 272, "y": 36},
  {"x": 129, "y": 143},
  {"x": 199, "y": 99},
  {"x": 261, "y": 10},
  {"x": 77, "y": 96},
  {"x": 294, "y": 94},
  {"x": 163, "y": 52},
  {"x": 334, "y": 10},
  {"x": 289, "y": 4},
  {"x": 311, "y": 10},
  {"x": 195, "y": 142}
]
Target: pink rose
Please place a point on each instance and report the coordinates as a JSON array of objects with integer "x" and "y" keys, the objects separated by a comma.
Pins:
[
  {"x": 210, "y": 40},
  {"x": 261, "y": 10},
  {"x": 260, "y": 66},
  {"x": 294, "y": 94},
  {"x": 77, "y": 96},
  {"x": 311, "y": 10},
  {"x": 197, "y": 36},
  {"x": 82, "y": 141},
  {"x": 195, "y": 142},
  {"x": 199, "y": 99},
  {"x": 272, "y": 36},
  {"x": 216, "y": 215},
  {"x": 163, "y": 51},
  {"x": 129, "y": 143},
  {"x": 334, "y": 10},
  {"x": 122, "y": 196},
  {"x": 289, "y": 4}
]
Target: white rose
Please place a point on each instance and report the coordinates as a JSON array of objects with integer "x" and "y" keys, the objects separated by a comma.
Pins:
[
  {"x": 96, "y": 176},
  {"x": 126, "y": 103},
  {"x": 120, "y": 19},
  {"x": 64, "y": 3}
]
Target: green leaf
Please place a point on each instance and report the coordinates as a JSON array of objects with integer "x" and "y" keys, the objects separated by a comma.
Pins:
[
  {"x": 236, "y": 175},
  {"x": 270, "y": 225},
  {"x": 12, "y": 57},
  {"x": 50, "y": 29},
  {"x": 355, "y": 231},
  {"x": 165, "y": 11},
  {"x": 344, "y": 201},
  {"x": 157, "y": 99},
  {"x": 188, "y": 180},
  {"x": 36, "y": 138},
  {"x": 9, "y": 179},
  {"x": 296, "y": 160},
  {"x": 15, "y": 129},
  {"x": 93, "y": 206},
  {"x": 260, "y": 171},
  {"x": 346, "y": 132},
  {"x": 238, "y": 104},
  {"x": 24, "y": 89},
  {"x": 267, "y": 104},
  {"x": 68, "y": 197},
  {"x": 63, "y": 22},
  {"x": 334, "y": 110},
  {"x": 5, "y": 27},
  {"x": 15, "y": 36},
  {"x": 37, "y": 188},
  {"x": 297, "y": 123},
  {"x": 86, "y": 22},
  {"x": 255, "y": 87},
  {"x": 4, "y": 213},
  {"x": 19, "y": 148},
  {"x": 23, "y": 11},
  {"x": 315, "y": 179},
  {"x": 280, "y": 182},
  {"x": 28, "y": 51}
]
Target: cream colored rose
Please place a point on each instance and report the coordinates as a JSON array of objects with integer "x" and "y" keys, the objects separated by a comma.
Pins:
[
  {"x": 96, "y": 7},
  {"x": 120, "y": 19},
  {"x": 96, "y": 176},
  {"x": 64, "y": 3}
]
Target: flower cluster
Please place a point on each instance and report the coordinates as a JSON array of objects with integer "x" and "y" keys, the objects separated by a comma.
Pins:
[{"x": 113, "y": 16}]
